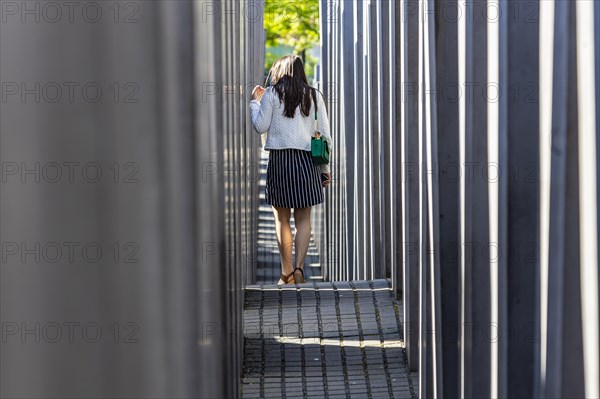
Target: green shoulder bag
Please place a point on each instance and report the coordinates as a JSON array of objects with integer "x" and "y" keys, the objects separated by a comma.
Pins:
[{"x": 319, "y": 146}]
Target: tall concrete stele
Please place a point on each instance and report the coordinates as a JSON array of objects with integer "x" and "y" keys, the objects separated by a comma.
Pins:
[
  {"x": 466, "y": 170},
  {"x": 128, "y": 204}
]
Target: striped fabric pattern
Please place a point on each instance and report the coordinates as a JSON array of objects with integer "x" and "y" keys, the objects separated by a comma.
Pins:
[{"x": 293, "y": 180}]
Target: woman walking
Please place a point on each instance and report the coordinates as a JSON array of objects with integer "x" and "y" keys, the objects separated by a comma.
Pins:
[{"x": 286, "y": 110}]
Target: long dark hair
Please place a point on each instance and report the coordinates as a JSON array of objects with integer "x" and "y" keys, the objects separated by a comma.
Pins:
[{"x": 289, "y": 81}]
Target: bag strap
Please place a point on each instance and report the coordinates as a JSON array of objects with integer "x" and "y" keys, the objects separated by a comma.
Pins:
[
  {"x": 316, "y": 125},
  {"x": 315, "y": 100}
]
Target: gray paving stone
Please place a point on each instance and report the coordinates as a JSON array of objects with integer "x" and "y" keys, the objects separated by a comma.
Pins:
[{"x": 354, "y": 361}]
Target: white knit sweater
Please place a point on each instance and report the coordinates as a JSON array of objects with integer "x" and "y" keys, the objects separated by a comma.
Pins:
[{"x": 284, "y": 132}]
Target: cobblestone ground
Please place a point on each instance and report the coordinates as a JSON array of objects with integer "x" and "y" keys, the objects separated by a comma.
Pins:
[{"x": 341, "y": 339}]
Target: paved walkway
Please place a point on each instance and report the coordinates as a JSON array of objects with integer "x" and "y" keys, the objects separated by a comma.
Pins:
[{"x": 341, "y": 339}]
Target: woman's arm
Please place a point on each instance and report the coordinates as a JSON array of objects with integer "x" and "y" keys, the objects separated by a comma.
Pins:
[
  {"x": 323, "y": 127},
  {"x": 262, "y": 112}
]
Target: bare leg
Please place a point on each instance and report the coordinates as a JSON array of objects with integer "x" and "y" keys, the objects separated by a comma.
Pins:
[
  {"x": 303, "y": 232},
  {"x": 284, "y": 239}
]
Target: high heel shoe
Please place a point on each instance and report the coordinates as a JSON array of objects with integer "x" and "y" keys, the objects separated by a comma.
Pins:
[
  {"x": 299, "y": 279},
  {"x": 286, "y": 278}
]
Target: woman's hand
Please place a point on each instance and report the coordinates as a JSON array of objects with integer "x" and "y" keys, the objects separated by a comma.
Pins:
[
  {"x": 326, "y": 179},
  {"x": 258, "y": 92}
]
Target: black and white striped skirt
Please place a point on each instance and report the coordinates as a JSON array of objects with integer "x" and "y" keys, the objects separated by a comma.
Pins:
[{"x": 293, "y": 180}]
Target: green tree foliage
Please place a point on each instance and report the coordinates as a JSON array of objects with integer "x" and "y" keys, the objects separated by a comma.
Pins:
[{"x": 292, "y": 26}]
